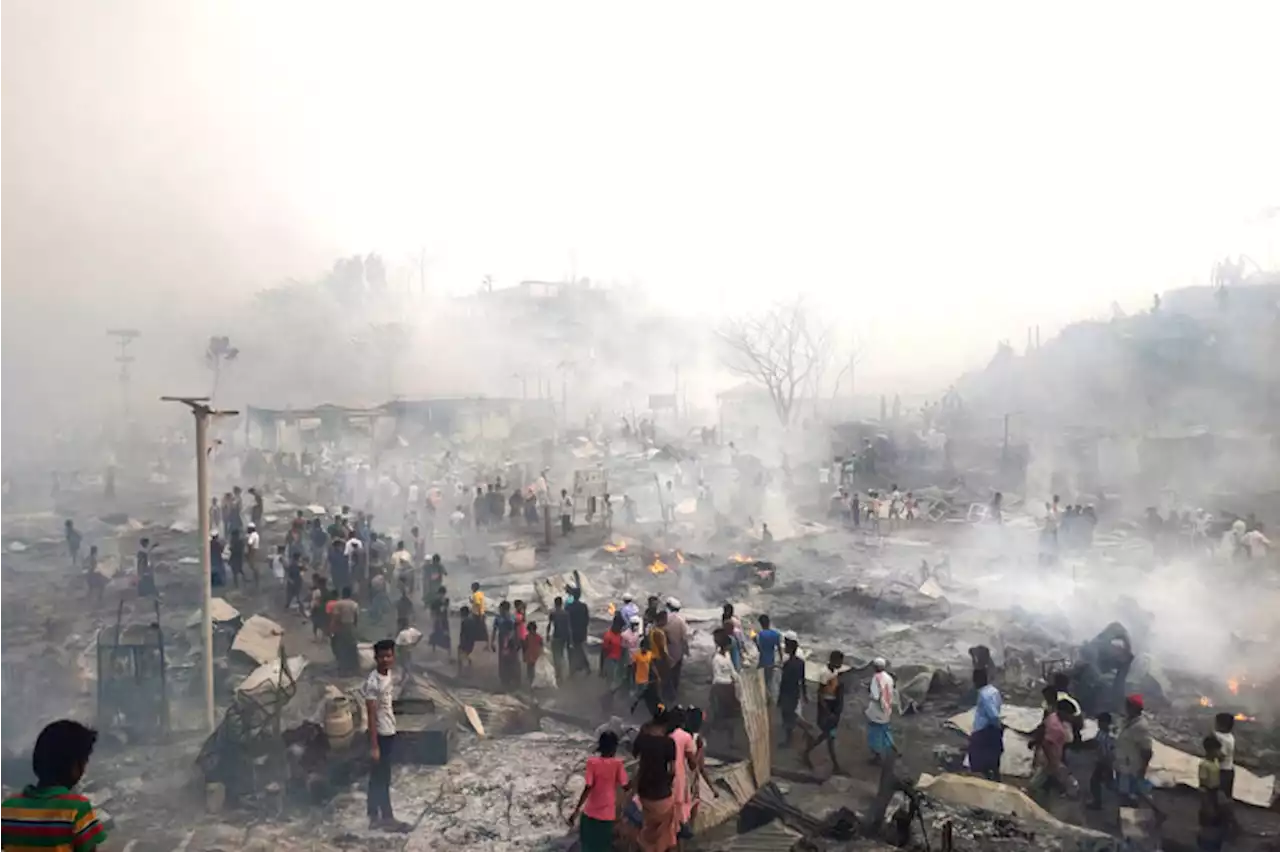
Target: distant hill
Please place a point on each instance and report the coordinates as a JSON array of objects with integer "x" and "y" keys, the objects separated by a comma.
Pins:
[{"x": 1200, "y": 361}]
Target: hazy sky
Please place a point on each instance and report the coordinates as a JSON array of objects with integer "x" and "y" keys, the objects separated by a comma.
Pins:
[{"x": 939, "y": 174}]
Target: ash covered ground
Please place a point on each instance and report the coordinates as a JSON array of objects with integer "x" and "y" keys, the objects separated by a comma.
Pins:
[{"x": 919, "y": 593}]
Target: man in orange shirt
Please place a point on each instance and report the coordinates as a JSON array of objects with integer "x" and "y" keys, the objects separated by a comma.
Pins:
[{"x": 647, "y": 680}]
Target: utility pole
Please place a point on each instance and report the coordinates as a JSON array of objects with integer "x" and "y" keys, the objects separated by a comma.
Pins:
[
  {"x": 675, "y": 396},
  {"x": 124, "y": 336},
  {"x": 199, "y": 406}
]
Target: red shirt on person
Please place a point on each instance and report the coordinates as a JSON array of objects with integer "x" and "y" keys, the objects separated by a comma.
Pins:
[
  {"x": 612, "y": 645},
  {"x": 532, "y": 648},
  {"x": 604, "y": 776},
  {"x": 1054, "y": 739}
]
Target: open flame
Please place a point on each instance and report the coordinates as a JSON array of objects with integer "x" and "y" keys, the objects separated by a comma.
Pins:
[
  {"x": 738, "y": 557},
  {"x": 657, "y": 566},
  {"x": 1240, "y": 717},
  {"x": 620, "y": 547},
  {"x": 1233, "y": 684},
  {"x": 1206, "y": 701}
]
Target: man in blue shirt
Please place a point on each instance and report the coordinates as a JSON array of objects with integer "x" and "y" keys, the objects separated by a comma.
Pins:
[
  {"x": 986, "y": 741},
  {"x": 768, "y": 642}
]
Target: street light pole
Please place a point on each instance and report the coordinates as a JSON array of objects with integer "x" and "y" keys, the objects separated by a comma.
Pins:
[{"x": 199, "y": 406}]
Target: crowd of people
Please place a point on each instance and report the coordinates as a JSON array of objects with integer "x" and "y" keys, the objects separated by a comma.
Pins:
[
  {"x": 1121, "y": 754},
  {"x": 875, "y": 510}
]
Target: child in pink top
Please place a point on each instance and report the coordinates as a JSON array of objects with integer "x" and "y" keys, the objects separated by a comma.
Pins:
[
  {"x": 689, "y": 765},
  {"x": 598, "y": 803}
]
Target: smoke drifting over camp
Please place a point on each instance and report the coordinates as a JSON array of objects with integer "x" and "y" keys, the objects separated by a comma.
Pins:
[{"x": 947, "y": 341}]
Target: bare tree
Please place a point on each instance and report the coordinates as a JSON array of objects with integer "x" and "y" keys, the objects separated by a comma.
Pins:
[
  {"x": 851, "y": 359},
  {"x": 785, "y": 349}
]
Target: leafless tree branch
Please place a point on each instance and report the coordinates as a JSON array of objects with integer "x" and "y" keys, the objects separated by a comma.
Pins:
[{"x": 784, "y": 349}]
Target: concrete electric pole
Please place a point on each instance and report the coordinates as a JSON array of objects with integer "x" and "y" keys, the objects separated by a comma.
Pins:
[
  {"x": 199, "y": 406},
  {"x": 124, "y": 336}
]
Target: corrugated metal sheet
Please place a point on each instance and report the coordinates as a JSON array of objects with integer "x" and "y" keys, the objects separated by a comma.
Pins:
[
  {"x": 755, "y": 717},
  {"x": 774, "y": 837},
  {"x": 741, "y": 782},
  {"x": 715, "y": 810}
]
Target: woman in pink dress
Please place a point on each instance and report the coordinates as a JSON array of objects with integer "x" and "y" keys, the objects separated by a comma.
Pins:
[{"x": 686, "y": 767}]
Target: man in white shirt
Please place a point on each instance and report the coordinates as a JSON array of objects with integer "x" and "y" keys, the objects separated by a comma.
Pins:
[
  {"x": 725, "y": 708},
  {"x": 402, "y": 565},
  {"x": 566, "y": 512},
  {"x": 630, "y": 609},
  {"x": 1224, "y": 729},
  {"x": 1257, "y": 543},
  {"x": 379, "y": 693},
  {"x": 880, "y": 710},
  {"x": 253, "y": 545}
]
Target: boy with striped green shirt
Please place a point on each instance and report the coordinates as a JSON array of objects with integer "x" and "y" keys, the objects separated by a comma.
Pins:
[{"x": 48, "y": 816}]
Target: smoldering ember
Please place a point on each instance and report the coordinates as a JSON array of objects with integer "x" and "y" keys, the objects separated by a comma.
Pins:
[{"x": 1052, "y": 585}]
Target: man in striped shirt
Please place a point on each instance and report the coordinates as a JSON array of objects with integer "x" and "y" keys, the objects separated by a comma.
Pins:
[{"x": 48, "y": 816}]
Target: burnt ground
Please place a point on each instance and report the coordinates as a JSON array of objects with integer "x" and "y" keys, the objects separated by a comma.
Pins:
[{"x": 46, "y": 608}]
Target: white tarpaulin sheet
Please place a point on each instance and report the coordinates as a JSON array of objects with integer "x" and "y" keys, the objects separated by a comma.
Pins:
[
  {"x": 1169, "y": 766},
  {"x": 259, "y": 639},
  {"x": 222, "y": 611}
]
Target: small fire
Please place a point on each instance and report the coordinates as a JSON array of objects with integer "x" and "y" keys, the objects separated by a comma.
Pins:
[
  {"x": 1240, "y": 717},
  {"x": 612, "y": 609},
  {"x": 1234, "y": 685},
  {"x": 738, "y": 557},
  {"x": 620, "y": 547},
  {"x": 658, "y": 566},
  {"x": 1206, "y": 701}
]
